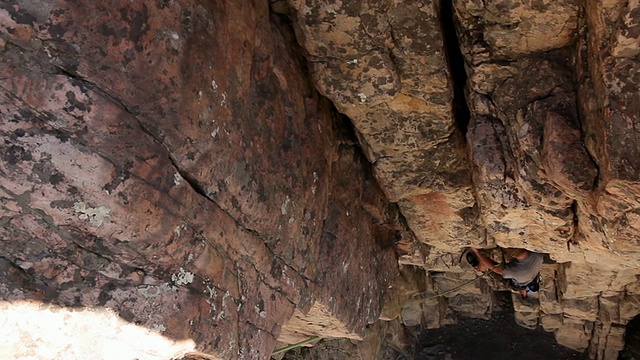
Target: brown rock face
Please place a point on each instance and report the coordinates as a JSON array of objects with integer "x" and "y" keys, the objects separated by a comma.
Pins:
[
  {"x": 384, "y": 65},
  {"x": 174, "y": 164},
  {"x": 170, "y": 162},
  {"x": 548, "y": 159},
  {"x": 542, "y": 171}
]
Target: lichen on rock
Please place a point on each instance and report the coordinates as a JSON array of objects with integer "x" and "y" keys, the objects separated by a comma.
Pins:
[{"x": 96, "y": 216}]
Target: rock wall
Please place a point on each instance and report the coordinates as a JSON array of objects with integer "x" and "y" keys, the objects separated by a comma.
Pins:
[
  {"x": 384, "y": 65},
  {"x": 171, "y": 162},
  {"x": 549, "y": 163},
  {"x": 542, "y": 147},
  {"x": 176, "y": 164}
]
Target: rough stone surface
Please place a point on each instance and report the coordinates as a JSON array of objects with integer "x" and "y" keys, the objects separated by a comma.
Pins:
[
  {"x": 551, "y": 168},
  {"x": 177, "y": 164},
  {"x": 383, "y": 340},
  {"x": 384, "y": 64},
  {"x": 511, "y": 29},
  {"x": 551, "y": 176},
  {"x": 170, "y": 162}
]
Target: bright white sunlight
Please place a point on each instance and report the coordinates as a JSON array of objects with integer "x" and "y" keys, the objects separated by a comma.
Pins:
[{"x": 31, "y": 330}]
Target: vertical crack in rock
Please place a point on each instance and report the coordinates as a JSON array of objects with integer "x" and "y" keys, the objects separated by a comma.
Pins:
[
  {"x": 26, "y": 279},
  {"x": 573, "y": 238},
  {"x": 455, "y": 61},
  {"x": 190, "y": 179}
]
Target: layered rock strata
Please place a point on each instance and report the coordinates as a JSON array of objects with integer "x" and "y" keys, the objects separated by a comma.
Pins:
[
  {"x": 541, "y": 141},
  {"x": 550, "y": 143}
]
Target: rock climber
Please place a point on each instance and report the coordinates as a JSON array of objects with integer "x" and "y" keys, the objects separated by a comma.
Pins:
[{"x": 522, "y": 272}]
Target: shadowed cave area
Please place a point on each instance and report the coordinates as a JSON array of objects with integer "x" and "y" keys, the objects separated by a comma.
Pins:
[
  {"x": 632, "y": 341},
  {"x": 496, "y": 338}
]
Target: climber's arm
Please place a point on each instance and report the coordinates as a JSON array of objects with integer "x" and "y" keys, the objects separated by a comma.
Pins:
[{"x": 486, "y": 263}]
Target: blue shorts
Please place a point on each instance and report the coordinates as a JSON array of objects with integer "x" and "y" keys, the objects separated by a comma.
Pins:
[{"x": 531, "y": 287}]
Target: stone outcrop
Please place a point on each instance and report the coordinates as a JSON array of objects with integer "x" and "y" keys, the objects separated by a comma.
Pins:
[
  {"x": 182, "y": 166},
  {"x": 384, "y": 65},
  {"x": 383, "y": 340},
  {"x": 544, "y": 165},
  {"x": 551, "y": 143},
  {"x": 171, "y": 162}
]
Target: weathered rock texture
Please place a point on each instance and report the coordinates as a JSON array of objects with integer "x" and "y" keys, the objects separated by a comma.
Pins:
[
  {"x": 174, "y": 162},
  {"x": 171, "y": 162},
  {"x": 548, "y": 147},
  {"x": 384, "y": 65},
  {"x": 550, "y": 161}
]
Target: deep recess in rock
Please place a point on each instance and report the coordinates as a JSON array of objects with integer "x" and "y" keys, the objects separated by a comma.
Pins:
[
  {"x": 456, "y": 66},
  {"x": 632, "y": 340},
  {"x": 497, "y": 338}
]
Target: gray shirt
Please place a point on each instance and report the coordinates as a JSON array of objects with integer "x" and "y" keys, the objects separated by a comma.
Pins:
[{"x": 523, "y": 271}]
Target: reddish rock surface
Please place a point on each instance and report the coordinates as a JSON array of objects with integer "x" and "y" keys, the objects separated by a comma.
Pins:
[{"x": 171, "y": 162}]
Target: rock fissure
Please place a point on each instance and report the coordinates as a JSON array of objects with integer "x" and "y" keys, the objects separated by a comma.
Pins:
[
  {"x": 91, "y": 251},
  {"x": 277, "y": 289},
  {"x": 31, "y": 283},
  {"x": 260, "y": 329},
  {"x": 455, "y": 62}
]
